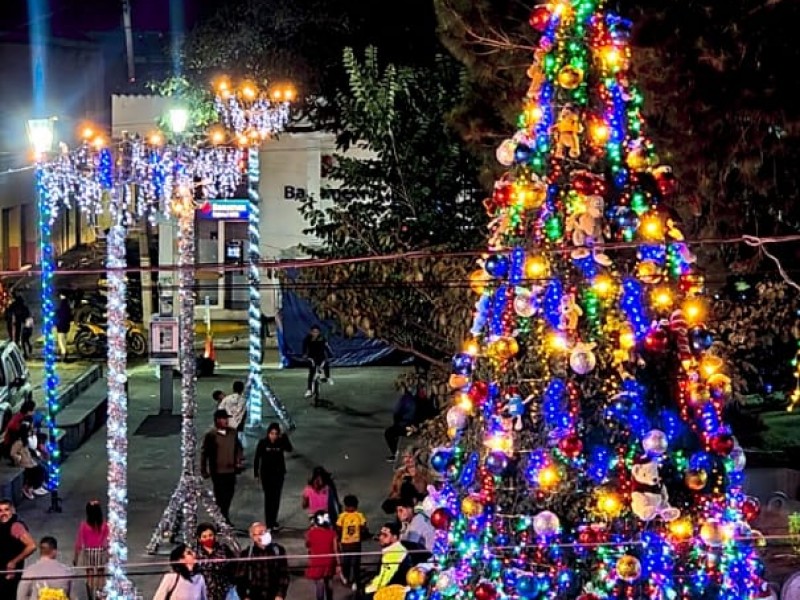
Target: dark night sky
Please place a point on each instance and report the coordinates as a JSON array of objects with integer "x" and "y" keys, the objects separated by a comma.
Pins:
[{"x": 71, "y": 18}]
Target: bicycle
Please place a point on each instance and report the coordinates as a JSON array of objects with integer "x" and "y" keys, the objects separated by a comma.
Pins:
[{"x": 319, "y": 377}]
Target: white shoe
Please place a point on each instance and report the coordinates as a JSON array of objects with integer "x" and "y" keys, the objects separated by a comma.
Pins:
[
  {"x": 330, "y": 380},
  {"x": 42, "y": 491},
  {"x": 27, "y": 493},
  {"x": 307, "y": 394}
]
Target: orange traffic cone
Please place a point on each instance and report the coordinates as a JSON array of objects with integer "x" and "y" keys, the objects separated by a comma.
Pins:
[{"x": 209, "y": 351}]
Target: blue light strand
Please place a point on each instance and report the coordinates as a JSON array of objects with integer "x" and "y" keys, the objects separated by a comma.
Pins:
[
  {"x": 50, "y": 382},
  {"x": 632, "y": 304}
]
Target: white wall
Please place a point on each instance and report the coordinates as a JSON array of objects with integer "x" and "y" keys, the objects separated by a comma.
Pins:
[{"x": 136, "y": 114}]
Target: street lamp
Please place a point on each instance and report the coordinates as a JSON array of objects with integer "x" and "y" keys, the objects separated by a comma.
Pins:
[
  {"x": 253, "y": 115},
  {"x": 41, "y": 135},
  {"x": 178, "y": 120}
]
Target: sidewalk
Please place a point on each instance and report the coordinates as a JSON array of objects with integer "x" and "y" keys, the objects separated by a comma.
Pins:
[{"x": 347, "y": 438}]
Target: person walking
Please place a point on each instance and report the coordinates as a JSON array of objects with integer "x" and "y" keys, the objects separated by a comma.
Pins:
[
  {"x": 47, "y": 575},
  {"x": 352, "y": 528},
  {"x": 317, "y": 349},
  {"x": 403, "y": 417},
  {"x": 27, "y": 335},
  {"x": 63, "y": 324},
  {"x": 221, "y": 459},
  {"x": 235, "y": 405},
  {"x": 320, "y": 493},
  {"x": 91, "y": 548},
  {"x": 16, "y": 544},
  {"x": 18, "y": 312},
  {"x": 185, "y": 582},
  {"x": 323, "y": 555},
  {"x": 214, "y": 557},
  {"x": 264, "y": 572},
  {"x": 269, "y": 465}
]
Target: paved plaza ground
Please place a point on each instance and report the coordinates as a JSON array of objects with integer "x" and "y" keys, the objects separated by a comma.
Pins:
[{"x": 346, "y": 437}]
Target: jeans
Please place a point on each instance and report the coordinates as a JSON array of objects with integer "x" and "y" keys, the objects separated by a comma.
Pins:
[
  {"x": 351, "y": 565},
  {"x": 312, "y": 372},
  {"x": 272, "y": 487},
  {"x": 224, "y": 487}
]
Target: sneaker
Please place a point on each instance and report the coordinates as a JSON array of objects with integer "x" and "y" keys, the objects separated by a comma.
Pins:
[
  {"x": 40, "y": 491},
  {"x": 391, "y": 458},
  {"x": 308, "y": 394},
  {"x": 354, "y": 587},
  {"x": 27, "y": 493},
  {"x": 330, "y": 381},
  {"x": 343, "y": 579}
]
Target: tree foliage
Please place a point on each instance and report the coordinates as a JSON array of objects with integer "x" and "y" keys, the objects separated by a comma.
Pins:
[{"x": 410, "y": 186}]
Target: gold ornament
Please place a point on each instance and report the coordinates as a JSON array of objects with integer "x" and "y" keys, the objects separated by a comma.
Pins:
[
  {"x": 471, "y": 507},
  {"x": 696, "y": 479},
  {"x": 570, "y": 77},
  {"x": 629, "y": 568},
  {"x": 416, "y": 577},
  {"x": 457, "y": 381},
  {"x": 714, "y": 533}
]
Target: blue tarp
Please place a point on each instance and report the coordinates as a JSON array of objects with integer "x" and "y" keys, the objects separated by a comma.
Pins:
[{"x": 297, "y": 317}]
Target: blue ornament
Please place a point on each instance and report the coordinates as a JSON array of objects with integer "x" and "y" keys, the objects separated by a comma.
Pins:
[
  {"x": 497, "y": 463},
  {"x": 526, "y": 586},
  {"x": 497, "y": 266},
  {"x": 700, "y": 339},
  {"x": 441, "y": 460},
  {"x": 522, "y": 153},
  {"x": 462, "y": 364}
]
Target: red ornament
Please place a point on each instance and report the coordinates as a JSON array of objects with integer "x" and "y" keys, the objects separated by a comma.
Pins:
[
  {"x": 540, "y": 17},
  {"x": 485, "y": 591},
  {"x": 722, "y": 444},
  {"x": 440, "y": 519},
  {"x": 571, "y": 446},
  {"x": 206, "y": 208},
  {"x": 656, "y": 341},
  {"x": 478, "y": 392},
  {"x": 587, "y": 183},
  {"x": 751, "y": 508}
]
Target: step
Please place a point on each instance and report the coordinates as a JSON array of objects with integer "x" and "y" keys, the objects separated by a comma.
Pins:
[{"x": 84, "y": 415}]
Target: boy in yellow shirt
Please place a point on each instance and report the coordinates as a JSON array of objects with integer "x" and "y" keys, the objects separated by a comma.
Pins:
[{"x": 352, "y": 528}]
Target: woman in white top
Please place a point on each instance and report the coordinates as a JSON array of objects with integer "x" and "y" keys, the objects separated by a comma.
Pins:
[{"x": 185, "y": 582}]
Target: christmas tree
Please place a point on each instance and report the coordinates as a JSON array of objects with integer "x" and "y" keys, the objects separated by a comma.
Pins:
[{"x": 588, "y": 456}]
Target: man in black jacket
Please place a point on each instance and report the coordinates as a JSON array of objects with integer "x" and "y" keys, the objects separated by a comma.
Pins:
[
  {"x": 264, "y": 572},
  {"x": 318, "y": 351}
]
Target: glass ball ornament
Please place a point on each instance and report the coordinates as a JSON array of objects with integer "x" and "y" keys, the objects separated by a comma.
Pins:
[
  {"x": 462, "y": 364},
  {"x": 440, "y": 460},
  {"x": 446, "y": 580},
  {"x": 497, "y": 265},
  {"x": 471, "y": 507},
  {"x": 458, "y": 381},
  {"x": 751, "y": 508},
  {"x": 522, "y": 153},
  {"x": 440, "y": 518},
  {"x": 696, "y": 479},
  {"x": 655, "y": 442},
  {"x": 485, "y": 591},
  {"x": 571, "y": 446},
  {"x": 700, "y": 339},
  {"x": 629, "y": 568},
  {"x": 723, "y": 444},
  {"x": 526, "y": 586},
  {"x": 456, "y": 418},
  {"x": 582, "y": 360},
  {"x": 738, "y": 459},
  {"x": 656, "y": 341},
  {"x": 505, "y": 152},
  {"x": 570, "y": 77},
  {"x": 524, "y": 304},
  {"x": 546, "y": 523},
  {"x": 416, "y": 577},
  {"x": 540, "y": 17},
  {"x": 497, "y": 463}
]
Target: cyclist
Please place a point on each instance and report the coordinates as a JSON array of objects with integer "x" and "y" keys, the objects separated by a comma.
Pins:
[{"x": 317, "y": 349}]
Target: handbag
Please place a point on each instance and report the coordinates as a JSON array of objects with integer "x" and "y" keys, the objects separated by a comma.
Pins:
[{"x": 172, "y": 589}]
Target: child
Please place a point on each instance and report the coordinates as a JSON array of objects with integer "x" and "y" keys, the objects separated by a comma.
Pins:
[
  {"x": 317, "y": 494},
  {"x": 90, "y": 547},
  {"x": 352, "y": 528},
  {"x": 323, "y": 553},
  {"x": 23, "y": 453}
]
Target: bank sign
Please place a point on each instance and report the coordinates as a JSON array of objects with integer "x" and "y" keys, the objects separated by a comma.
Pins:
[{"x": 230, "y": 209}]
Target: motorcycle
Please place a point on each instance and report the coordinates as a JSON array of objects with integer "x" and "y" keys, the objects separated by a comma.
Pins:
[{"x": 91, "y": 339}]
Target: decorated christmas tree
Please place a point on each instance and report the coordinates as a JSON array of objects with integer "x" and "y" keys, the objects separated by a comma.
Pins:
[{"x": 588, "y": 456}]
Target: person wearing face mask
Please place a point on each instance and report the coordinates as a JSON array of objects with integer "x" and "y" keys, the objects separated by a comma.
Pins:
[
  {"x": 264, "y": 572},
  {"x": 214, "y": 557},
  {"x": 185, "y": 582},
  {"x": 25, "y": 458}
]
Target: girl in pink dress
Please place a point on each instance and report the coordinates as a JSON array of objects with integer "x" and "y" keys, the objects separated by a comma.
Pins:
[
  {"x": 91, "y": 547},
  {"x": 320, "y": 494}
]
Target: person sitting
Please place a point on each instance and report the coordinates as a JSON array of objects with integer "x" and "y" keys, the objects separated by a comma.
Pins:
[
  {"x": 415, "y": 523},
  {"x": 403, "y": 417},
  {"x": 24, "y": 455},
  {"x": 410, "y": 480}
]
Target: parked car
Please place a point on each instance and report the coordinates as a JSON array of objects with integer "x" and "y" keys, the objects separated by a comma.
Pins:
[{"x": 15, "y": 381}]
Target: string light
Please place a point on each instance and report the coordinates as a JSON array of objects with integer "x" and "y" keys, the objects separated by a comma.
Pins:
[{"x": 253, "y": 116}]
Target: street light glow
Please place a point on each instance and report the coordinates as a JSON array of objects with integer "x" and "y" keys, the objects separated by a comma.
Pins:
[
  {"x": 41, "y": 135},
  {"x": 178, "y": 120}
]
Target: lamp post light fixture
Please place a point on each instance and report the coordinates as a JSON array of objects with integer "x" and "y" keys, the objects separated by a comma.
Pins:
[
  {"x": 41, "y": 135},
  {"x": 178, "y": 120},
  {"x": 252, "y": 115}
]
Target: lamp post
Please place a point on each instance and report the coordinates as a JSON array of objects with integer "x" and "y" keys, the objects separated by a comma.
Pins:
[
  {"x": 253, "y": 116},
  {"x": 41, "y": 135}
]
